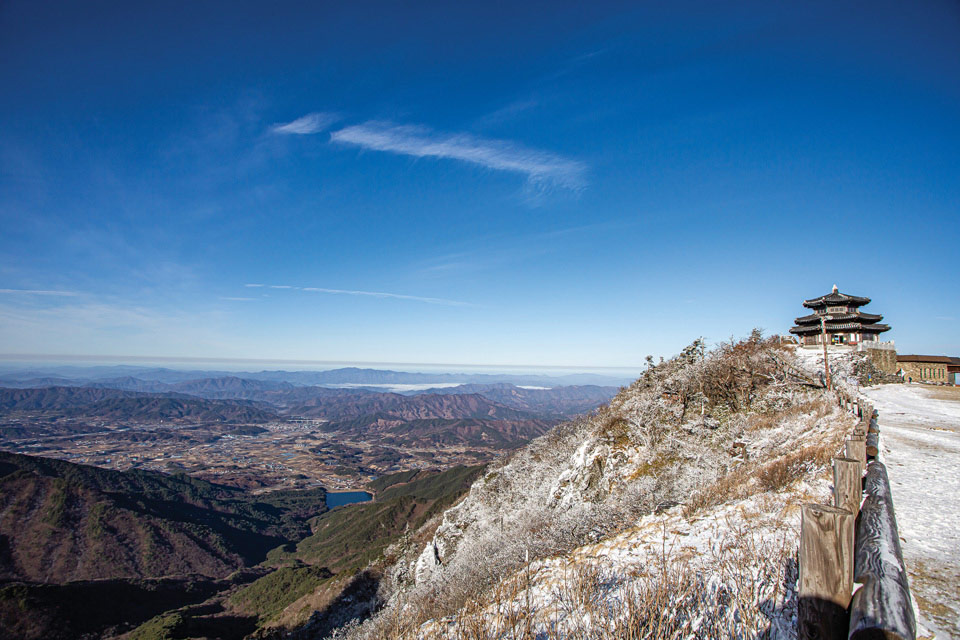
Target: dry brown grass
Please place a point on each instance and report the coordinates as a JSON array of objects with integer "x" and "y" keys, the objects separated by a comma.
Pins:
[
  {"x": 818, "y": 407},
  {"x": 617, "y": 431},
  {"x": 731, "y": 486},
  {"x": 653, "y": 467},
  {"x": 761, "y": 421},
  {"x": 776, "y": 475},
  {"x": 752, "y": 478},
  {"x": 943, "y": 393}
]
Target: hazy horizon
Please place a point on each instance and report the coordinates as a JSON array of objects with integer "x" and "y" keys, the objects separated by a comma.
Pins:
[{"x": 20, "y": 362}]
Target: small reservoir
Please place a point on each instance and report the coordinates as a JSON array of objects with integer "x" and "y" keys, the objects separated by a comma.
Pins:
[{"x": 347, "y": 497}]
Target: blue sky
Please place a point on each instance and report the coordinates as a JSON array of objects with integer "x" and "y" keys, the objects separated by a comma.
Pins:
[{"x": 493, "y": 183}]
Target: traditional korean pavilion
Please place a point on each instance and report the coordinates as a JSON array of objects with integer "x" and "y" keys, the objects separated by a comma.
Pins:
[{"x": 840, "y": 315}]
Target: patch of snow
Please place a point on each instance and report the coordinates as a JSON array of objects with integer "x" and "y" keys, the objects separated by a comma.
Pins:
[
  {"x": 398, "y": 388},
  {"x": 920, "y": 445}
]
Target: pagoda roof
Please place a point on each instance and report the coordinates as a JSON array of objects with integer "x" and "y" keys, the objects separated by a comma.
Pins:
[
  {"x": 835, "y": 298},
  {"x": 856, "y": 315},
  {"x": 841, "y": 327}
]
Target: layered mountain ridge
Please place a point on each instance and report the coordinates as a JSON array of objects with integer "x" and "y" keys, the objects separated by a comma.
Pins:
[
  {"x": 75, "y": 375},
  {"x": 62, "y": 521},
  {"x": 117, "y": 404},
  {"x": 498, "y": 416}
]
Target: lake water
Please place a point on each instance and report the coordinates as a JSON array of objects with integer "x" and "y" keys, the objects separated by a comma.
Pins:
[{"x": 347, "y": 497}]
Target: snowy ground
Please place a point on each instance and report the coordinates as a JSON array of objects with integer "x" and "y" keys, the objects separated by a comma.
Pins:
[{"x": 920, "y": 435}]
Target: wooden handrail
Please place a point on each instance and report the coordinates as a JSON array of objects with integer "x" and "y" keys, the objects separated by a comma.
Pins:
[
  {"x": 881, "y": 607},
  {"x": 873, "y": 445}
]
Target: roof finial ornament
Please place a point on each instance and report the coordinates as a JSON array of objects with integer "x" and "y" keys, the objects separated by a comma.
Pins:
[{"x": 834, "y": 288}]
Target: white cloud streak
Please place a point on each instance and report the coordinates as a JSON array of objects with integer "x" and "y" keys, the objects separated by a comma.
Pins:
[
  {"x": 306, "y": 125},
  {"x": 39, "y": 292},
  {"x": 397, "y": 296},
  {"x": 370, "y": 294},
  {"x": 542, "y": 168}
]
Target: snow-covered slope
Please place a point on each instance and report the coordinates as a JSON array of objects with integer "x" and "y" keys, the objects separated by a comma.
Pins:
[{"x": 687, "y": 487}]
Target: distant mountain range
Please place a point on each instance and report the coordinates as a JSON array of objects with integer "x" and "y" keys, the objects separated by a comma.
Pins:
[
  {"x": 506, "y": 408},
  {"x": 399, "y": 407},
  {"x": 428, "y": 419},
  {"x": 75, "y": 376},
  {"x": 562, "y": 400},
  {"x": 566, "y": 401},
  {"x": 500, "y": 415},
  {"x": 119, "y": 405}
]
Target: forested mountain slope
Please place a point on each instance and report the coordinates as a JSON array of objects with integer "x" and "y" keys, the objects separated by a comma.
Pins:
[
  {"x": 61, "y": 521},
  {"x": 323, "y": 577}
]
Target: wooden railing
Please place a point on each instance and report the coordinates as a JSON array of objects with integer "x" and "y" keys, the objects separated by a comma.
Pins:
[{"x": 854, "y": 541}]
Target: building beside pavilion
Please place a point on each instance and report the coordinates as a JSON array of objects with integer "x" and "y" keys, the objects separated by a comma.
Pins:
[
  {"x": 930, "y": 369},
  {"x": 837, "y": 319}
]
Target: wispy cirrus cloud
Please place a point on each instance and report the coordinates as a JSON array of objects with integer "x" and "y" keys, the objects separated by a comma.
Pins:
[
  {"x": 542, "y": 168},
  {"x": 507, "y": 112},
  {"x": 370, "y": 294},
  {"x": 306, "y": 125},
  {"x": 397, "y": 296},
  {"x": 39, "y": 292}
]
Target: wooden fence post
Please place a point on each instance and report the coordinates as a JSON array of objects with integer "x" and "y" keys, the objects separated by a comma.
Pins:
[
  {"x": 826, "y": 572},
  {"x": 856, "y": 448},
  {"x": 847, "y": 485}
]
